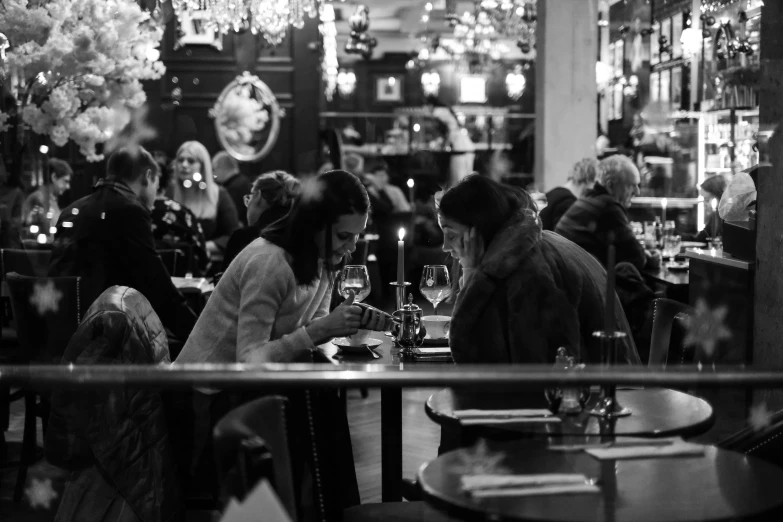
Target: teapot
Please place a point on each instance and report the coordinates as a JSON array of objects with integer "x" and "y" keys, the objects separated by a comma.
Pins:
[{"x": 408, "y": 330}]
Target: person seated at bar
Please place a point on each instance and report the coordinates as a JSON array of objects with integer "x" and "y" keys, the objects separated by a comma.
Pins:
[
  {"x": 227, "y": 174},
  {"x": 523, "y": 293},
  {"x": 211, "y": 203},
  {"x": 42, "y": 206},
  {"x": 272, "y": 303},
  {"x": 600, "y": 216},
  {"x": 174, "y": 225},
  {"x": 712, "y": 189},
  {"x": 270, "y": 200},
  {"x": 560, "y": 199},
  {"x": 106, "y": 239}
]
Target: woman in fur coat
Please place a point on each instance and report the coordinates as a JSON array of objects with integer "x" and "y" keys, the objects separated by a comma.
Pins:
[{"x": 523, "y": 292}]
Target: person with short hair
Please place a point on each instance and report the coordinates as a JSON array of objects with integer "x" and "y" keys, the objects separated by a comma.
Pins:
[
  {"x": 106, "y": 239},
  {"x": 523, "y": 293},
  {"x": 560, "y": 199},
  {"x": 227, "y": 174},
  {"x": 42, "y": 206},
  {"x": 269, "y": 201},
  {"x": 600, "y": 217}
]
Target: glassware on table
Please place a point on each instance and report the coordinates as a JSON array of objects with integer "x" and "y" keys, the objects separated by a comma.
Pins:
[
  {"x": 668, "y": 229},
  {"x": 356, "y": 278},
  {"x": 671, "y": 246},
  {"x": 435, "y": 284}
]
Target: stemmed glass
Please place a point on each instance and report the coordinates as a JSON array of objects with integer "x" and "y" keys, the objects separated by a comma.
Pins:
[
  {"x": 435, "y": 284},
  {"x": 354, "y": 277}
]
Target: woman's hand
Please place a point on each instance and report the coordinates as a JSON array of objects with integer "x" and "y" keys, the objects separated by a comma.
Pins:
[
  {"x": 472, "y": 248},
  {"x": 343, "y": 321},
  {"x": 374, "y": 319}
]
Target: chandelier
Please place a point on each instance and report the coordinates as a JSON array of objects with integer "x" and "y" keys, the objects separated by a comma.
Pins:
[
  {"x": 492, "y": 19},
  {"x": 269, "y": 18}
]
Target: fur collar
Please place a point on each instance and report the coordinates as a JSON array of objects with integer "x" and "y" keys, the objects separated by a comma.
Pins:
[{"x": 511, "y": 245}]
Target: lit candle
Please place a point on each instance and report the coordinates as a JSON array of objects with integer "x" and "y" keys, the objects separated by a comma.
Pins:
[
  {"x": 714, "y": 219},
  {"x": 609, "y": 311},
  {"x": 401, "y": 257},
  {"x": 410, "y": 190},
  {"x": 664, "y": 202}
]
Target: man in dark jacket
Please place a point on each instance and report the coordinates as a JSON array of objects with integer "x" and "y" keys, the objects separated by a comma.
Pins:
[
  {"x": 600, "y": 216},
  {"x": 106, "y": 239},
  {"x": 226, "y": 171},
  {"x": 560, "y": 199}
]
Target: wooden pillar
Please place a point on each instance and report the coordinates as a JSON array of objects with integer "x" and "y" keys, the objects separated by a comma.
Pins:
[
  {"x": 566, "y": 102},
  {"x": 768, "y": 328}
]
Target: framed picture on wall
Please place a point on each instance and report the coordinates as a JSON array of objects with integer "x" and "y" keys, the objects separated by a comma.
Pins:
[
  {"x": 677, "y": 87},
  {"x": 473, "y": 89},
  {"x": 655, "y": 86},
  {"x": 666, "y": 30},
  {"x": 665, "y": 86},
  {"x": 389, "y": 88},
  {"x": 193, "y": 31},
  {"x": 676, "y": 34}
]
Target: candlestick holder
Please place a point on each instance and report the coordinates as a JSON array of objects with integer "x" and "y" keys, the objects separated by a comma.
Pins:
[
  {"x": 400, "y": 291},
  {"x": 607, "y": 406}
]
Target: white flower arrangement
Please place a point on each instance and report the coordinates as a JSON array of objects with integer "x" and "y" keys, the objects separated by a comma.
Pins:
[{"x": 81, "y": 63}]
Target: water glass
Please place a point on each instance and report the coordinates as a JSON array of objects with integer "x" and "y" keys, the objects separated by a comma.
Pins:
[
  {"x": 671, "y": 246},
  {"x": 355, "y": 278},
  {"x": 435, "y": 284}
]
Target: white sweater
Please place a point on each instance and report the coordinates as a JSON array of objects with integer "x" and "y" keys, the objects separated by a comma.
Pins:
[{"x": 257, "y": 312}]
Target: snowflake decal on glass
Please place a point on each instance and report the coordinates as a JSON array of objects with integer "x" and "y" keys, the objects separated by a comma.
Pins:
[
  {"x": 706, "y": 327},
  {"x": 760, "y": 416},
  {"x": 40, "y": 493},
  {"x": 481, "y": 461},
  {"x": 46, "y": 297},
  {"x": 430, "y": 281}
]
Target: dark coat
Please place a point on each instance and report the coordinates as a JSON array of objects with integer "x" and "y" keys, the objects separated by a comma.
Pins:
[
  {"x": 115, "y": 441},
  {"x": 595, "y": 220},
  {"x": 558, "y": 201},
  {"x": 237, "y": 187},
  {"x": 244, "y": 236},
  {"x": 532, "y": 293},
  {"x": 106, "y": 239}
]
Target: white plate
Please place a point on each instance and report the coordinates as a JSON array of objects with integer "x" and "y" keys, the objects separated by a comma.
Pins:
[
  {"x": 345, "y": 345},
  {"x": 693, "y": 244}
]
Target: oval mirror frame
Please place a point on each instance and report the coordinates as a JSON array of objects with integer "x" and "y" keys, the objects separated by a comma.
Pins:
[{"x": 262, "y": 93}]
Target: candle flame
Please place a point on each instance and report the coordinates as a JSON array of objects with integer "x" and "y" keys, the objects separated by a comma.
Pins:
[
  {"x": 714, "y": 204},
  {"x": 410, "y": 183},
  {"x": 664, "y": 202},
  {"x": 401, "y": 234}
]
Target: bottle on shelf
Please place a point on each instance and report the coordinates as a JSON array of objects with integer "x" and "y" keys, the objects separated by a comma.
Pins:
[{"x": 658, "y": 231}]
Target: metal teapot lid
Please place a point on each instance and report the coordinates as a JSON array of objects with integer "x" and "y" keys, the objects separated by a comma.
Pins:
[{"x": 410, "y": 306}]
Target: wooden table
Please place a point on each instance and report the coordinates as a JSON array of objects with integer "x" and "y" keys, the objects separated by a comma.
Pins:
[
  {"x": 721, "y": 485},
  {"x": 391, "y": 408},
  {"x": 656, "y": 412},
  {"x": 195, "y": 289},
  {"x": 674, "y": 283}
]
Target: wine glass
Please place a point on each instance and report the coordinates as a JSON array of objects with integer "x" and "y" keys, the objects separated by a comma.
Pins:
[
  {"x": 435, "y": 284},
  {"x": 354, "y": 277}
]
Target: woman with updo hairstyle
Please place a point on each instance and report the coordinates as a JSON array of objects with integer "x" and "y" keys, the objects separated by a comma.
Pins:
[
  {"x": 270, "y": 199},
  {"x": 196, "y": 189},
  {"x": 523, "y": 293}
]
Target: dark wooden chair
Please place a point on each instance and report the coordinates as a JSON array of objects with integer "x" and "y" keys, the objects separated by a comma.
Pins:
[
  {"x": 765, "y": 443},
  {"x": 668, "y": 335},
  {"x": 174, "y": 260},
  {"x": 46, "y": 310}
]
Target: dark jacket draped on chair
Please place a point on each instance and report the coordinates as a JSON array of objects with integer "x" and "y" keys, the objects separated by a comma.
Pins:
[{"x": 532, "y": 293}]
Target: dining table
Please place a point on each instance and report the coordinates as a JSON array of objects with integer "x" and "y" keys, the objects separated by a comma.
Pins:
[
  {"x": 385, "y": 356},
  {"x": 655, "y": 412},
  {"x": 713, "y": 484},
  {"x": 196, "y": 291}
]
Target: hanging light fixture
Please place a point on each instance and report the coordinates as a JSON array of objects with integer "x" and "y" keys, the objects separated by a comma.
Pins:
[
  {"x": 515, "y": 83},
  {"x": 430, "y": 83},
  {"x": 346, "y": 83},
  {"x": 691, "y": 40},
  {"x": 269, "y": 18},
  {"x": 329, "y": 64}
]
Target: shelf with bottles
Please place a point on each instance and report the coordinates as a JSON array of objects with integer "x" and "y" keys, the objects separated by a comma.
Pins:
[{"x": 727, "y": 141}]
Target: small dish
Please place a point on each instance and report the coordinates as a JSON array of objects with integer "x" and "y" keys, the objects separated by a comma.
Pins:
[
  {"x": 677, "y": 266},
  {"x": 345, "y": 345},
  {"x": 693, "y": 244},
  {"x": 443, "y": 341}
]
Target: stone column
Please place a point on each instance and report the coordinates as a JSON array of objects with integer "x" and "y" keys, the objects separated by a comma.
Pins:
[
  {"x": 566, "y": 103},
  {"x": 768, "y": 321}
]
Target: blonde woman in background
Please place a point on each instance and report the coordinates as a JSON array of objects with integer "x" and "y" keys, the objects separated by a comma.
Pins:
[{"x": 211, "y": 204}]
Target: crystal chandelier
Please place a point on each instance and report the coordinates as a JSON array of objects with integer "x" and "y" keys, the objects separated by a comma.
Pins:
[{"x": 270, "y": 18}]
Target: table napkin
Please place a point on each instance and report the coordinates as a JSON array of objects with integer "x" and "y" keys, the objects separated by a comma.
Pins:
[
  {"x": 678, "y": 449},
  {"x": 623, "y": 442},
  {"x": 470, "y": 417},
  {"x": 481, "y": 486}
]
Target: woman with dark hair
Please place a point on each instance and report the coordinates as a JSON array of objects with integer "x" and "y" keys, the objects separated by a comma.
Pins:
[
  {"x": 712, "y": 189},
  {"x": 272, "y": 303},
  {"x": 42, "y": 206},
  {"x": 270, "y": 200},
  {"x": 523, "y": 292}
]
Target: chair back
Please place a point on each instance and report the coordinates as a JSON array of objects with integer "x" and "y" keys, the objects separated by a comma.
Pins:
[
  {"x": 174, "y": 260},
  {"x": 765, "y": 443},
  {"x": 251, "y": 443},
  {"x": 668, "y": 334},
  {"x": 32, "y": 263},
  {"x": 47, "y": 314}
]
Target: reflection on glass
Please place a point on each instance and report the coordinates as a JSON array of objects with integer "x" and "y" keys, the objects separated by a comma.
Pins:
[
  {"x": 435, "y": 284},
  {"x": 354, "y": 278}
]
